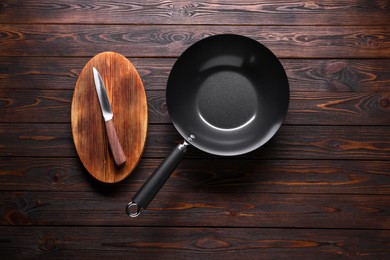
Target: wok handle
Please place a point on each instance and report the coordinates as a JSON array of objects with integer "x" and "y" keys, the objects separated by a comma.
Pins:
[{"x": 149, "y": 190}]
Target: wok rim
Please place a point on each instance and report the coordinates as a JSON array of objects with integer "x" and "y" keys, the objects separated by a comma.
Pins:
[{"x": 195, "y": 142}]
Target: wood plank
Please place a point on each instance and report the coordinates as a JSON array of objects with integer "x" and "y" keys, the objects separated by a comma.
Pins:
[
  {"x": 330, "y": 75},
  {"x": 352, "y": 12},
  {"x": 291, "y": 142},
  {"x": 339, "y": 109},
  {"x": 192, "y": 243},
  {"x": 34, "y": 140},
  {"x": 206, "y": 175},
  {"x": 233, "y": 209},
  {"x": 314, "y": 108},
  {"x": 172, "y": 40},
  {"x": 35, "y": 105},
  {"x": 338, "y": 75}
]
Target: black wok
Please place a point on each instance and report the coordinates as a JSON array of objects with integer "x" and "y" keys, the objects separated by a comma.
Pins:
[{"x": 226, "y": 95}]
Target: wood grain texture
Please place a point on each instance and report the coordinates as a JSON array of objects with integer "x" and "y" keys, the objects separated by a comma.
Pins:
[
  {"x": 339, "y": 108},
  {"x": 206, "y": 175},
  {"x": 169, "y": 40},
  {"x": 316, "y": 75},
  {"x": 233, "y": 209},
  {"x": 90, "y": 133},
  {"x": 350, "y": 12},
  {"x": 291, "y": 142},
  {"x": 318, "y": 190},
  {"x": 313, "y": 108},
  {"x": 192, "y": 243}
]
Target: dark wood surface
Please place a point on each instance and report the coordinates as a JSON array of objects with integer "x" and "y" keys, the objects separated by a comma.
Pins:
[{"x": 320, "y": 189}]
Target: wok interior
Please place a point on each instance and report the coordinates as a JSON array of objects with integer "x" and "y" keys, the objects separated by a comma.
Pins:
[{"x": 229, "y": 92}]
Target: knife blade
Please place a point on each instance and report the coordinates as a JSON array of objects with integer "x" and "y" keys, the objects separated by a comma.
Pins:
[{"x": 113, "y": 140}]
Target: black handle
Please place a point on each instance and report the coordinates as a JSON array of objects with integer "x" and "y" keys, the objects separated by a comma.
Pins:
[{"x": 149, "y": 190}]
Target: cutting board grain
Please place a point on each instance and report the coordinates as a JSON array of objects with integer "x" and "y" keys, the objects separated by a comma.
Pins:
[{"x": 128, "y": 101}]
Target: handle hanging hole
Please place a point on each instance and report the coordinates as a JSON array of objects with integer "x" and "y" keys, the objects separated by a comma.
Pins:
[{"x": 135, "y": 211}]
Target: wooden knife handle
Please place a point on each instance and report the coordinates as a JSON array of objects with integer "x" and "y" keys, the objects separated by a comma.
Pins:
[{"x": 115, "y": 145}]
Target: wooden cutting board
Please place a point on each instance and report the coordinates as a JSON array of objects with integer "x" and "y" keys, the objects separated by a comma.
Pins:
[{"x": 128, "y": 102}]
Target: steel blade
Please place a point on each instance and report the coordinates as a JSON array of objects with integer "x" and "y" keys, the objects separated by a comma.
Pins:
[{"x": 102, "y": 95}]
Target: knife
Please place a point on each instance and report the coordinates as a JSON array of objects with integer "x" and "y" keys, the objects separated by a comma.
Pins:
[{"x": 115, "y": 146}]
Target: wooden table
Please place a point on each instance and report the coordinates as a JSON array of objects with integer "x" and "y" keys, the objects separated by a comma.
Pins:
[{"x": 319, "y": 190}]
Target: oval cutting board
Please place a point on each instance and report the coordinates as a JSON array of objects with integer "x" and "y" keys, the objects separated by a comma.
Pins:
[{"x": 128, "y": 102}]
